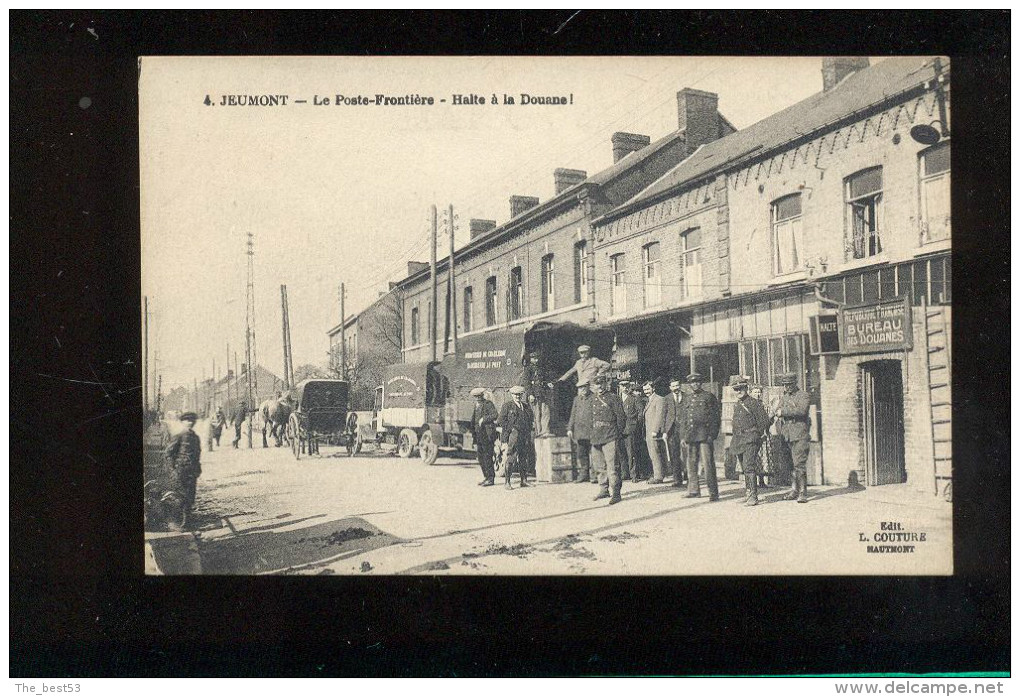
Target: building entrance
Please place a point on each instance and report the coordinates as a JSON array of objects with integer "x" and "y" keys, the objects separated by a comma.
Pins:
[{"x": 882, "y": 399}]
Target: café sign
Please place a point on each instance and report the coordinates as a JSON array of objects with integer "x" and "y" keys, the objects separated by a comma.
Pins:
[{"x": 876, "y": 327}]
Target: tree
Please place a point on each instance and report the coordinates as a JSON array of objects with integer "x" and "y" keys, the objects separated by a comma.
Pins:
[{"x": 309, "y": 371}]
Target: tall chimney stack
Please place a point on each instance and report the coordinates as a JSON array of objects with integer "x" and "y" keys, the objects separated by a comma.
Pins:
[
  {"x": 414, "y": 267},
  {"x": 519, "y": 204},
  {"x": 836, "y": 68},
  {"x": 698, "y": 115},
  {"x": 566, "y": 178},
  {"x": 626, "y": 143},
  {"x": 480, "y": 227}
]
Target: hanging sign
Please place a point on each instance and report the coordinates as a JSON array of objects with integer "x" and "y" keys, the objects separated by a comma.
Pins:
[{"x": 824, "y": 334}]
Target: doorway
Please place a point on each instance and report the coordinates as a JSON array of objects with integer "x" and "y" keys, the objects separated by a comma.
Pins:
[{"x": 882, "y": 399}]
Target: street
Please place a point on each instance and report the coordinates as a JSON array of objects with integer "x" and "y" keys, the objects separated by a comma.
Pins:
[{"x": 260, "y": 511}]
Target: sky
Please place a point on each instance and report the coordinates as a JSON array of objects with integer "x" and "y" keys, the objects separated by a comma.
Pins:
[{"x": 342, "y": 193}]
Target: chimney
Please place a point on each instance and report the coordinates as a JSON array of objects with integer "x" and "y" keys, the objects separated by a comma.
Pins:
[
  {"x": 414, "y": 267},
  {"x": 835, "y": 68},
  {"x": 698, "y": 115},
  {"x": 626, "y": 143},
  {"x": 519, "y": 204},
  {"x": 480, "y": 227},
  {"x": 566, "y": 178}
]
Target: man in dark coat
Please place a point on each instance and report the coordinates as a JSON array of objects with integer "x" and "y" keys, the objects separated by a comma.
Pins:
[
  {"x": 516, "y": 420},
  {"x": 483, "y": 429},
  {"x": 237, "y": 418},
  {"x": 607, "y": 425},
  {"x": 579, "y": 432},
  {"x": 537, "y": 391},
  {"x": 749, "y": 425},
  {"x": 633, "y": 431},
  {"x": 702, "y": 418},
  {"x": 794, "y": 426},
  {"x": 675, "y": 437},
  {"x": 183, "y": 455}
]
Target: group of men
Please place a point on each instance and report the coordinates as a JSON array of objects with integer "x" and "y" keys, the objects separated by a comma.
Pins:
[{"x": 646, "y": 435}]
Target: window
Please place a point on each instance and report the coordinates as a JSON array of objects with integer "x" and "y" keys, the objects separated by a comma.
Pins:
[
  {"x": 864, "y": 210},
  {"x": 690, "y": 257},
  {"x": 415, "y": 327},
  {"x": 469, "y": 307},
  {"x": 652, "y": 261},
  {"x": 787, "y": 235},
  {"x": 580, "y": 270},
  {"x": 935, "y": 217},
  {"x": 490, "y": 301},
  {"x": 765, "y": 359},
  {"x": 548, "y": 283},
  {"x": 618, "y": 282},
  {"x": 516, "y": 293}
]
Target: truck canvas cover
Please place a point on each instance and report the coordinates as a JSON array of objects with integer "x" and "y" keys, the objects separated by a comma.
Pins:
[{"x": 405, "y": 385}]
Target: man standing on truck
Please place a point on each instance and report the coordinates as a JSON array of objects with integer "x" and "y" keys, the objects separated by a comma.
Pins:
[
  {"x": 587, "y": 367},
  {"x": 483, "y": 429},
  {"x": 516, "y": 421}
]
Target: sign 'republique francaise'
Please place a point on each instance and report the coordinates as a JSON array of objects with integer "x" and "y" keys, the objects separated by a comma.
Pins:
[{"x": 875, "y": 328}]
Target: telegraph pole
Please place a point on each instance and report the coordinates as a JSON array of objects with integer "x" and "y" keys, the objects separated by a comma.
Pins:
[
  {"x": 434, "y": 311},
  {"x": 288, "y": 360},
  {"x": 250, "y": 353},
  {"x": 452, "y": 307},
  {"x": 229, "y": 401},
  {"x": 343, "y": 334}
]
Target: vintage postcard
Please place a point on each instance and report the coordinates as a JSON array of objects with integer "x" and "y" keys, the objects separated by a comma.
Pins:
[{"x": 547, "y": 316}]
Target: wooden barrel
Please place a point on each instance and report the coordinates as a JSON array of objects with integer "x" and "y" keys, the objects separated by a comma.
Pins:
[{"x": 554, "y": 461}]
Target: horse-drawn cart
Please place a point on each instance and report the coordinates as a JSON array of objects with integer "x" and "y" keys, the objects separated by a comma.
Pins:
[{"x": 321, "y": 413}]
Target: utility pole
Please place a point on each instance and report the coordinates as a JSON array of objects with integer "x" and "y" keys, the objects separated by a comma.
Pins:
[
  {"x": 451, "y": 312},
  {"x": 250, "y": 352},
  {"x": 434, "y": 310},
  {"x": 145, "y": 361},
  {"x": 288, "y": 360},
  {"x": 343, "y": 334}
]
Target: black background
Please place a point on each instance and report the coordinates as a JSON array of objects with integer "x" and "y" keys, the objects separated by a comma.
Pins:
[{"x": 78, "y": 601}]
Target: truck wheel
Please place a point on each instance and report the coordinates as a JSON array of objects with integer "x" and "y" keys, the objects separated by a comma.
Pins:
[
  {"x": 406, "y": 442},
  {"x": 427, "y": 449}
]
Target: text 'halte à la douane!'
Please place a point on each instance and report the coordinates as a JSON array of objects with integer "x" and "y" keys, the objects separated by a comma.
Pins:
[{"x": 278, "y": 100}]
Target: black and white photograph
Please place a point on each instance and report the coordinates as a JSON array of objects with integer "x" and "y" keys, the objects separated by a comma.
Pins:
[{"x": 547, "y": 316}]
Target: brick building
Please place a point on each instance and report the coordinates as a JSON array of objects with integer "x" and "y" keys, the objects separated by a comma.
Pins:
[
  {"x": 726, "y": 262},
  {"x": 372, "y": 339},
  {"x": 538, "y": 265}
]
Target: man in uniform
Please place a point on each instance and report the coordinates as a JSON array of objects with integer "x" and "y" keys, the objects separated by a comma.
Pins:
[
  {"x": 516, "y": 421},
  {"x": 702, "y": 419},
  {"x": 579, "y": 431},
  {"x": 607, "y": 425},
  {"x": 183, "y": 454},
  {"x": 633, "y": 409},
  {"x": 537, "y": 392},
  {"x": 749, "y": 425},
  {"x": 237, "y": 419},
  {"x": 675, "y": 436},
  {"x": 659, "y": 418},
  {"x": 586, "y": 367},
  {"x": 794, "y": 426},
  {"x": 483, "y": 429}
]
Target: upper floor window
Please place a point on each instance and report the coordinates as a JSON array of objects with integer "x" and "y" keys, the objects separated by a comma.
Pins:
[
  {"x": 864, "y": 212},
  {"x": 618, "y": 282},
  {"x": 516, "y": 293},
  {"x": 548, "y": 289},
  {"x": 787, "y": 235},
  {"x": 469, "y": 307},
  {"x": 652, "y": 261},
  {"x": 490, "y": 301},
  {"x": 580, "y": 270},
  {"x": 415, "y": 327},
  {"x": 935, "y": 213},
  {"x": 690, "y": 258}
]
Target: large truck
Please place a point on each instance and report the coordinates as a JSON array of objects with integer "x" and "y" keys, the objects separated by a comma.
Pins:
[{"x": 426, "y": 408}]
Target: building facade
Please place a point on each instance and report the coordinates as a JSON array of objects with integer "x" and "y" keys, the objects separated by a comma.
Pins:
[
  {"x": 370, "y": 340},
  {"x": 827, "y": 209}
]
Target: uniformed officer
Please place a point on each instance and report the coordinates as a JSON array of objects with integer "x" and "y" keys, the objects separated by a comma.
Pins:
[
  {"x": 702, "y": 418},
  {"x": 675, "y": 437},
  {"x": 483, "y": 430},
  {"x": 749, "y": 425},
  {"x": 537, "y": 391},
  {"x": 587, "y": 367},
  {"x": 579, "y": 431},
  {"x": 183, "y": 455},
  {"x": 794, "y": 425},
  {"x": 633, "y": 435},
  {"x": 607, "y": 425},
  {"x": 516, "y": 420}
]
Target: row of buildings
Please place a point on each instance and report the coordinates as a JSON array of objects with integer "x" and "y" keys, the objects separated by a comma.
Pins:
[{"x": 816, "y": 241}]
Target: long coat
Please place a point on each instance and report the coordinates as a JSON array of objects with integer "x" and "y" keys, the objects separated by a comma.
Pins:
[
  {"x": 794, "y": 424},
  {"x": 183, "y": 454},
  {"x": 608, "y": 419},
  {"x": 516, "y": 418},
  {"x": 483, "y": 422},
  {"x": 749, "y": 425},
  {"x": 702, "y": 417},
  {"x": 580, "y": 418}
]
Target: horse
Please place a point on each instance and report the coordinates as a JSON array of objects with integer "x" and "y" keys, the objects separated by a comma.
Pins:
[{"x": 275, "y": 413}]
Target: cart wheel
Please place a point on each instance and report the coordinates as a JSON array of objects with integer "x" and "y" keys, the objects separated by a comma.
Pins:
[
  {"x": 427, "y": 449},
  {"x": 406, "y": 442},
  {"x": 294, "y": 435}
]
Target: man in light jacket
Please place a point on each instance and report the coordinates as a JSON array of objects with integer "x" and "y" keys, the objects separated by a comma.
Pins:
[{"x": 660, "y": 416}]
